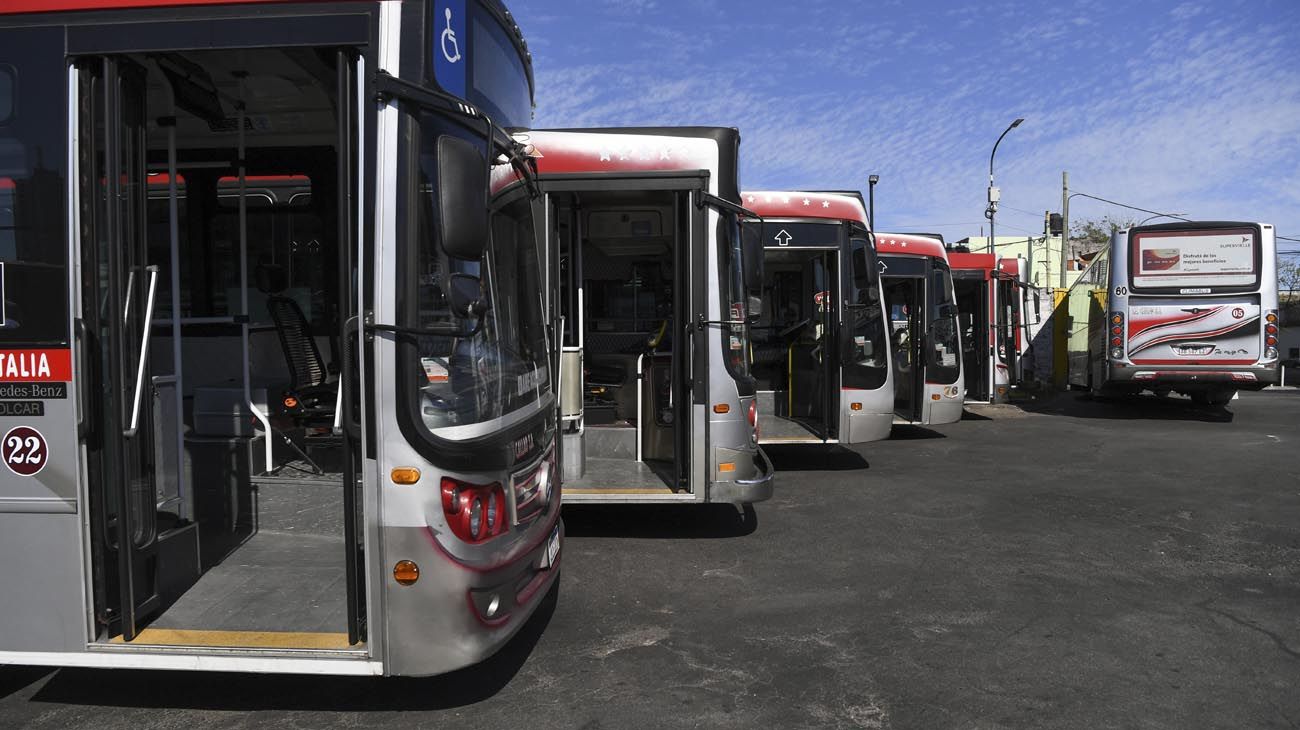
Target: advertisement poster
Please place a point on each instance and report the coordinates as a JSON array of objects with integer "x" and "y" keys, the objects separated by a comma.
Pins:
[{"x": 1188, "y": 259}]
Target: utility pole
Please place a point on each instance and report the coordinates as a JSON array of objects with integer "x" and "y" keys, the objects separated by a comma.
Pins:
[{"x": 1065, "y": 223}]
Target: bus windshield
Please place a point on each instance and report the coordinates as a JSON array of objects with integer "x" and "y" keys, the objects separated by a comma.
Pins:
[
  {"x": 736, "y": 348},
  {"x": 498, "y": 365},
  {"x": 944, "y": 364}
]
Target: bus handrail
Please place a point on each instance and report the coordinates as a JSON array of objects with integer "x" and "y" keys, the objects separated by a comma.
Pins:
[{"x": 144, "y": 354}]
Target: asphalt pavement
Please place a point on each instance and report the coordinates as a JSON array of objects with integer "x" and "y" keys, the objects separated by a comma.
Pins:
[{"x": 1072, "y": 564}]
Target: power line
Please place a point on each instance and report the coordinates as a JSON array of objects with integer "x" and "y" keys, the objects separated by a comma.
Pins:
[{"x": 1130, "y": 207}]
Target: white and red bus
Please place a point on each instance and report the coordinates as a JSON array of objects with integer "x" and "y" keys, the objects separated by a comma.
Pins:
[
  {"x": 924, "y": 336},
  {"x": 1189, "y": 307},
  {"x": 274, "y": 373},
  {"x": 652, "y": 294},
  {"x": 820, "y": 349},
  {"x": 990, "y": 293}
]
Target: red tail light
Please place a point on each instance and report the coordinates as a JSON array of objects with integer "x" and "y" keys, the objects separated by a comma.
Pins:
[
  {"x": 475, "y": 512},
  {"x": 752, "y": 415}
]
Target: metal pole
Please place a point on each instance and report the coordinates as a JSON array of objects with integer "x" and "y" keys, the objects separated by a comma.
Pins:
[
  {"x": 1065, "y": 223},
  {"x": 871, "y": 201},
  {"x": 173, "y": 228}
]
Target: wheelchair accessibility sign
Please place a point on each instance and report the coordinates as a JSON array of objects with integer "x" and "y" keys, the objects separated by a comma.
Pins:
[{"x": 450, "y": 46}]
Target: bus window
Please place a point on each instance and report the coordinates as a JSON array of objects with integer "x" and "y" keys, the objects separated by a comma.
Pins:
[
  {"x": 945, "y": 364},
  {"x": 32, "y": 244},
  {"x": 864, "y": 358}
]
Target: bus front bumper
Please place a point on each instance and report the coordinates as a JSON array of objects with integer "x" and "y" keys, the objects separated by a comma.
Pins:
[
  {"x": 747, "y": 491},
  {"x": 458, "y": 614}
]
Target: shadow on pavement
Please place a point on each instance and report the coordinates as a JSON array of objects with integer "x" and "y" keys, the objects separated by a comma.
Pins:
[
  {"x": 969, "y": 415},
  {"x": 813, "y": 457},
  {"x": 1134, "y": 407},
  {"x": 909, "y": 432},
  {"x": 667, "y": 521},
  {"x": 253, "y": 692},
  {"x": 13, "y": 679}
]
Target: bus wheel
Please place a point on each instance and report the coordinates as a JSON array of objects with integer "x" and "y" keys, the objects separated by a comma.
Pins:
[{"x": 1162, "y": 392}]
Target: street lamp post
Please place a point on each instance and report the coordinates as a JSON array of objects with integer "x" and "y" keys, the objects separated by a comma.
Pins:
[
  {"x": 871, "y": 201},
  {"x": 994, "y": 194}
]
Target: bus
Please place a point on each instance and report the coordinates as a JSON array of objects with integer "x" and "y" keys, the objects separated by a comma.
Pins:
[
  {"x": 1188, "y": 307},
  {"x": 819, "y": 349},
  {"x": 652, "y": 297},
  {"x": 990, "y": 294},
  {"x": 924, "y": 339},
  {"x": 274, "y": 375}
]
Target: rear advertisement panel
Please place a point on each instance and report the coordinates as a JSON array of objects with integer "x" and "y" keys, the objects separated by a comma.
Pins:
[
  {"x": 1179, "y": 332},
  {"x": 1196, "y": 260}
]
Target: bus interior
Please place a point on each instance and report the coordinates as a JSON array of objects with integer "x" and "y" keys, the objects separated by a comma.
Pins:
[
  {"x": 623, "y": 256},
  {"x": 905, "y": 301},
  {"x": 210, "y": 188},
  {"x": 794, "y": 360}
]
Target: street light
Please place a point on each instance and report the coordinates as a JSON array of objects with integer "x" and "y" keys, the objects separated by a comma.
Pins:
[
  {"x": 994, "y": 193},
  {"x": 871, "y": 198}
]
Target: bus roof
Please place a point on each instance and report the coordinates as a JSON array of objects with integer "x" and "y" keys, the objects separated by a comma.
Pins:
[
  {"x": 961, "y": 260},
  {"x": 13, "y": 7},
  {"x": 624, "y": 150},
  {"x": 795, "y": 204},
  {"x": 904, "y": 243}
]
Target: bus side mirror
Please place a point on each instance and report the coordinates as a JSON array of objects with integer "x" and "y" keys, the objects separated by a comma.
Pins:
[
  {"x": 462, "y": 199},
  {"x": 1038, "y": 309},
  {"x": 465, "y": 296},
  {"x": 945, "y": 310}
]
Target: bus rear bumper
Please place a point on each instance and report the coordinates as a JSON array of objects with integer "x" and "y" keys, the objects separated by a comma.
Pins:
[
  {"x": 458, "y": 614},
  {"x": 1200, "y": 378},
  {"x": 747, "y": 491}
]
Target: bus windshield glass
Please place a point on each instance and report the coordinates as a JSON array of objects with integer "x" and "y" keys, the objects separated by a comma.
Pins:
[
  {"x": 496, "y": 365},
  {"x": 1198, "y": 260},
  {"x": 736, "y": 346},
  {"x": 945, "y": 366}
]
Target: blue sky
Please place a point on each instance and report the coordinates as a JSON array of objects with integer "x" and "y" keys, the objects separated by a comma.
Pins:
[{"x": 1174, "y": 106}]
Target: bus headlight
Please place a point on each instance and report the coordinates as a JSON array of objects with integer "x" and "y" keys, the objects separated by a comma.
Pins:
[
  {"x": 1116, "y": 353},
  {"x": 1270, "y": 353},
  {"x": 476, "y": 518}
]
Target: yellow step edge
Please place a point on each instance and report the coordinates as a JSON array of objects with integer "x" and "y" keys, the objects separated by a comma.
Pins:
[
  {"x": 239, "y": 639},
  {"x": 598, "y": 490}
]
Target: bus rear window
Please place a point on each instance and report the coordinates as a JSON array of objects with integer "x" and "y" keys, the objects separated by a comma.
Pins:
[{"x": 1203, "y": 260}]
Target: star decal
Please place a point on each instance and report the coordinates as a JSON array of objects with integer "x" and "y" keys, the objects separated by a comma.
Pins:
[
  {"x": 807, "y": 202},
  {"x": 826, "y": 203}
]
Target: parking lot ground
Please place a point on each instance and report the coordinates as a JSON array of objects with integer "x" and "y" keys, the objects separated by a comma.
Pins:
[{"x": 1077, "y": 564}]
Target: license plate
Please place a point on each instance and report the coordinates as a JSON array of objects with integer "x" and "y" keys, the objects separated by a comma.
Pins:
[{"x": 552, "y": 548}]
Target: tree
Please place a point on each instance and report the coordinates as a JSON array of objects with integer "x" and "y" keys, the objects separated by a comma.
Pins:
[
  {"x": 1288, "y": 277},
  {"x": 1089, "y": 235}
]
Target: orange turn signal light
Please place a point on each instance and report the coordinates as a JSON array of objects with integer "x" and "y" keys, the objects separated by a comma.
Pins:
[
  {"x": 936, "y": 396},
  {"x": 406, "y": 572},
  {"x": 721, "y": 408},
  {"x": 290, "y": 402},
  {"x": 727, "y": 466},
  {"x": 405, "y": 475},
  {"x": 855, "y": 406}
]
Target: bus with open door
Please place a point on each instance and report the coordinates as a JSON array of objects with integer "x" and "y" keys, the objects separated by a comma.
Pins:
[
  {"x": 652, "y": 296},
  {"x": 273, "y": 366},
  {"x": 990, "y": 294},
  {"x": 923, "y": 328},
  {"x": 820, "y": 352},
  {"x": 1188, "y": 307}
]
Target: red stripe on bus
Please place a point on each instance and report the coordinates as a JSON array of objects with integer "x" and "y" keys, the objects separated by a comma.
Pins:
[{"x": 35, "y": 366}]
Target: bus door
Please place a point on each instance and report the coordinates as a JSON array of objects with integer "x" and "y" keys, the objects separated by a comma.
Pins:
[
  {"x": 119, "y": 296},
  {"x": 627, "y": 345},
  {"x": 1008, "y": 327},
  {"x": 196, "y": 488},
  {"x": 813, "y": 387},
  {"x": 974, "y": 306},
  {"x": 905, "y": 297}
]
